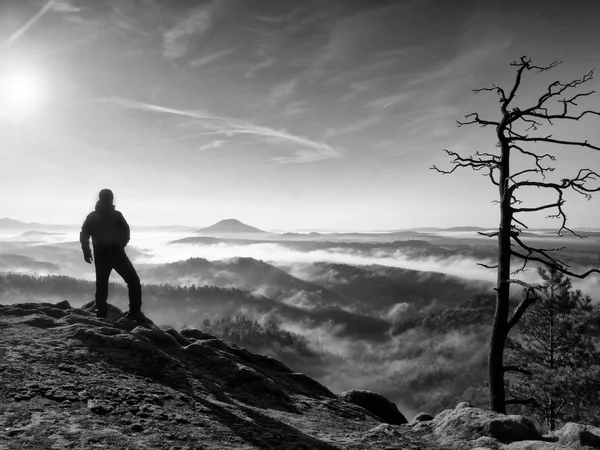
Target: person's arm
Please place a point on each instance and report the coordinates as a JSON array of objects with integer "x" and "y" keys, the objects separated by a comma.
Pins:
[
  {"x": 84, "y": 239},
  {"x": 127, "y": 235}
]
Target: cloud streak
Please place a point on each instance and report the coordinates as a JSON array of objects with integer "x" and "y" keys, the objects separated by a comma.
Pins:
[
  {"x": 210, "y": 58},
  {"x": 354, "y": 127},
  {"x": 195, "y": 24},
  {"x": 31, "y": 22},
  {"x": 281, "y": 92},
  {"x": 310, "y": 150},
  {"x": 212, "y": 145}
]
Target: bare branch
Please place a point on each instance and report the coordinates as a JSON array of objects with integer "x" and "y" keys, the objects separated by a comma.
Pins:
[
  {"x": 521, "y": 269},
  {"x": 550, "y": 140},
  {"x": 529, "y": 300},
  {"x": 537, "y": 159},
  {"x": 524, "y": 64},
  {"x": 491, "y": 176},
  {"x": 475, "y": 163},
  {"x": 487, "y": 266},
  {"x": 557, "y": 266},
  {"x": 540, "y": 251},
  {"x": 538, "y": 208},
  {"x": 521, "y": 401},
  {"x": 556, "y": 89},
  {"x": 493, "y": 234},
  {"x": 475, "y": 119},
  {"x": 517, "y": 369},
  {"x": 494, "y": 88},
  {"x": 520, "y": 223},
  {"x": 578, "y": 184},
  {"x": 528, "y": 286}
]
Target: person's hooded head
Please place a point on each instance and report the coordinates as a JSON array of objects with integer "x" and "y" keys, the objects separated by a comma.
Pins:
[
  {"x": 105, "y": 201},
  {"x": 106, "y": 196}
]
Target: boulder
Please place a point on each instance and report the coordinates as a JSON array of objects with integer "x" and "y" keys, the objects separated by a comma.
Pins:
[
  {"x": 422, "y": 417},
  {"x": 178, "y": 337},
  {"x": 62, "y": 305},
  {"x": 112, "y": 312},
  {"x": 468, "y": 423},
  {"x": 577, "y": 436},
  {"x": 376, "y": 404}
]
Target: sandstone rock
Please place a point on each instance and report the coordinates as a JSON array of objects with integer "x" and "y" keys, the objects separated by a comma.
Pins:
[
  {"x": 384, "y": 428},
  {"x": 376, "y": 404},
  {"x": 536, "y": 445},
  {"x": 178, "y": 337},
  {"x": 26, "y": 309},
  {"x": 137, "y": 354},
  {"x": 63, "y": 305},
  {"x": 160, "y": 338},
  {"x": 465, "y": 422},
  {"x": 112, "y": 312},
  {"x": 255, "y": 382},
  {"x": 485, "y": 443},
  {"x": 99, "y": 407},
  {"x": 309, "y": 386},
  {"x": 193, "y": 333},
  {"x": 578, "y": 436},
  {"x": 40, "y": 321},
  {"x": 422, "y": 417}
]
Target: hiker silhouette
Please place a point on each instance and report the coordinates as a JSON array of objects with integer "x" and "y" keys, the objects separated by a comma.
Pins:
[{"x": 110, "y": 235}]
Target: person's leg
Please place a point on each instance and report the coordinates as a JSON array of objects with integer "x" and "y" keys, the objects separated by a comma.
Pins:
[
  {"x": 103, "y": 270},
  {"x": 123, "y": 266}
]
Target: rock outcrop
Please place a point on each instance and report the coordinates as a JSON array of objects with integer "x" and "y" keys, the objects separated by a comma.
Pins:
[
  {"x": 70, "y": 380},
  {"x": 376, "y": 404},
  {"x": 578, "y": 437},
  {"x": 422, "y": 417},
  {"x": 465, "y": 421}
]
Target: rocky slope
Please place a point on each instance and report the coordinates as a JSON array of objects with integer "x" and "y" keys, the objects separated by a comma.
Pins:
[{"x": 71, "y": 381}]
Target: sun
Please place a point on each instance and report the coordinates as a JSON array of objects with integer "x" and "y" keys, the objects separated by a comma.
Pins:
[{"x": 21, "y": 93}]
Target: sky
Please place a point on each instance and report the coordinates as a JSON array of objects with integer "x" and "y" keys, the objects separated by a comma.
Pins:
[{"x": 283, "y": 114}]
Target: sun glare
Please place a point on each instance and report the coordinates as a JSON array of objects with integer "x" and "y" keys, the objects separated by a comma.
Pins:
[{"x": 20, "y": 93}]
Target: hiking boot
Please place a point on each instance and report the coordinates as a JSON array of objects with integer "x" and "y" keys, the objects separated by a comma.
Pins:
[{"x": 135, "y": 316}]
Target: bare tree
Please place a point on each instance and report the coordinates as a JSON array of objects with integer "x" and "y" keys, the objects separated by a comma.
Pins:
[{"x": 517, "y": 128}]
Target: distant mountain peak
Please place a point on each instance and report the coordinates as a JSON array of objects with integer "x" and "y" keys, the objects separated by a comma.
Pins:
[{"x": 230, "y": 226}]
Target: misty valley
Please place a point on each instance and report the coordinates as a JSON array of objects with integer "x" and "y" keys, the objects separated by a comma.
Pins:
[{"x": 403, "y": 313}]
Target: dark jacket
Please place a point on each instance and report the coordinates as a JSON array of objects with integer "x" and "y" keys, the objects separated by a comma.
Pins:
[{"x": 106, "y": 226}]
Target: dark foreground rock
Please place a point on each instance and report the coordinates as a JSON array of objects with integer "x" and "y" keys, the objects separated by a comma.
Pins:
[
  {"x": 376, "y": 404},
  {"x": 72, "y": 381}
]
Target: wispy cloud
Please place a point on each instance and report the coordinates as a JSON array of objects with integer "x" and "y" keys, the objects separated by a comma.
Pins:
[
  {"x": 31, "y": 22},
  {"x": 310, "y": 151},
  {"x": 297, "y": 107},
  {"x": 212, "y": 145},
  {"x": 281, "y": 92},
  {"x": 209, "y": 58},
  {"x": 258, "y": 67},
  {"x": 387, "y": 101},
  {"x": 132, "y": 104},
  {"x": 65, "y": 6},
  {"x": 195, "y": 24},
  {"x": 354, "y": 127}
]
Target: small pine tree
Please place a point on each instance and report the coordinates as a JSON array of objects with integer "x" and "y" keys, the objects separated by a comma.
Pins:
[{"x": 553, "y": 361}]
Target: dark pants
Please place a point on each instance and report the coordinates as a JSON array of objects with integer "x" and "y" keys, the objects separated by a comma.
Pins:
[{"x": 113, "y": 257}]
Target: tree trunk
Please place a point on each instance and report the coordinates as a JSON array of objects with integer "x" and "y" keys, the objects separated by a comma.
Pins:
[{"x": 499, "y": 327}]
